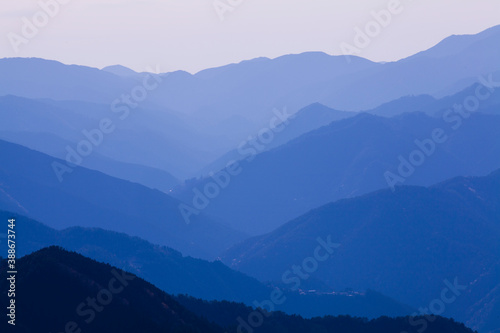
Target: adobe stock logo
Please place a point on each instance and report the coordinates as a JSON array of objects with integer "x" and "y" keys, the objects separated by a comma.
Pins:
[
  {"x": 30, "y": 28},
  {"x": 222, "y": 7}
]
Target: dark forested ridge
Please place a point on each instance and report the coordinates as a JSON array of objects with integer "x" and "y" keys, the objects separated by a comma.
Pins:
[{"x": 60, "y": 289}]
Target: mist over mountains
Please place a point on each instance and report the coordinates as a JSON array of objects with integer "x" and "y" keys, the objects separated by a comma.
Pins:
[
  {"x": 345, "y": 159},
  {"x": 236, "y": 100},
  {"x": 89, "y": 198},
  {"x": 302, "y": 190}
]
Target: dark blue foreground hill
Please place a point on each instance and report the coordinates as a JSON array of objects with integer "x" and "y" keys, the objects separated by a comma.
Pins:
[{"x": 60, "y": 291}]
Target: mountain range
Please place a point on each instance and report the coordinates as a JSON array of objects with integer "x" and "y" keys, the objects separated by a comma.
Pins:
[
  {"x": 347, "y": 158},
  {"x": 410, "y": 244},
  {"x": 318, "y": 193},
  {"x": 88, "y": 198},
  {"x": 235, "y": 101},
  {"x": 176, "y": 274}
]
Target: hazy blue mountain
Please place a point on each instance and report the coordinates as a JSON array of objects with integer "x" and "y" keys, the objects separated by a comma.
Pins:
[
  {"x": 235, "y": 101},
  {"x": 421, "y": 103},
  {"x": 490, "y": 104},
  {"x": 120, "y": 70},
  {"x": 252, "y": 88},
  {"x": 305, "y": 120},
  {"x": 347, "y": 158},
  {"x": 438, "y": 107},
  {"x": 436, "y": 73},
  {"x": 317, "y": 115},
  {"x": 87, "y": 198},
  {"x": 404, "y": 244},
  {"x": 165, "y": 267},
  {"x": 61, "y": 290},
  {"x": 175, "y": 274},
  {"x": 52, "y": 145},
  {"x": 156, "y": 138},
  {"x": 39, "y": 78},
  {"x": 252, "y": 97},
  {"x": 456, "y": 44}
]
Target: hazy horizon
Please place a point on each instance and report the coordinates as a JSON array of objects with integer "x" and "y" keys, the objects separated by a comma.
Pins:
[
  {"x": 194, "y": 36},
  {"x": 152, "y": 69}
]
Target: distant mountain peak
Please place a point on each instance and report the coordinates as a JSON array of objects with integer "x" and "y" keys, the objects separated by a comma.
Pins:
[{"x": 119, "y": 70}]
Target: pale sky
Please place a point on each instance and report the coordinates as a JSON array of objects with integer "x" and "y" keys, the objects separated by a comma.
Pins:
[{"x": 190, "y": 35}]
